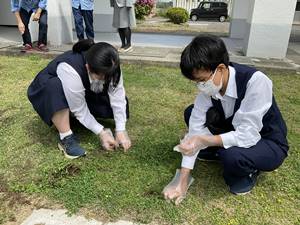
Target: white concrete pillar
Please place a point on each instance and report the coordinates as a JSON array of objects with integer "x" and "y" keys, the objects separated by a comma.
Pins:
[
  {"x": 239, "y": 14},
  {"x": 6, "y": 16},
  {"x": 59, "y": 23},
  {"x": 268, "y": 28}
]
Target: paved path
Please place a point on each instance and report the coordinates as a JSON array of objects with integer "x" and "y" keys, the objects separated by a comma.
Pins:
[{"x": 59, "y": 217}]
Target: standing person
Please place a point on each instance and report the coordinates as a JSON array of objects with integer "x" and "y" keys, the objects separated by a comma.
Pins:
[
  {"x": 88, "y": 83},
  {"x": 235, "y": 119},
  {"x": 83, "y": 10},
  {"x": 124, "y": 20},
  {"x": 23, "y": 10}
]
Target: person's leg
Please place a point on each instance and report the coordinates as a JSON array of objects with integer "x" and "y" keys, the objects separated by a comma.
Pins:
[
  {"x": 61, "y": 120},
  {"x": 242, "y": 165},
  {"x": 122, "y": 36},
  {"x": 25, "y": 17},
  {"x": 187, "y": 114},
  {"x": 128, "y": 36},
  {"x": 88, "y": 20},
  {"x": 78, "y": 23},
  {"x": 53, "y": 109},
  {"x": 43, "y": 29}
]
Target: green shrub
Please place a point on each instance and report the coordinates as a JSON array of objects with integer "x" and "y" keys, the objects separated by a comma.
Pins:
[
  {"x": 162, "y": 12},
  {"x": 141, "y": 11},
  {"x": 178, "y": 15}
]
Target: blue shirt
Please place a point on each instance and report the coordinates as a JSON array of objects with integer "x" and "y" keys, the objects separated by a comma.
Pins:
[
  {"x": 84, "y": 4},
  {"x": 28, "y": 5}
]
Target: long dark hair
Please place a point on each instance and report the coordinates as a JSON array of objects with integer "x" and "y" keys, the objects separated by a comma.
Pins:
[
  {"x": 102, "y": 58},
  {"x": 204, "y": 52}
]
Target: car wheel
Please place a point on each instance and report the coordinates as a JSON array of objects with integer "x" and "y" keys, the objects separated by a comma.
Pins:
[
  {"x": 222, "y": 18},
  {"x": 194, "y": 17}
]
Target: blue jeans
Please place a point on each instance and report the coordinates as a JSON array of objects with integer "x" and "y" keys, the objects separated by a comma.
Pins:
[
  {"x": 43, "y": 27},
  {"x": 87, "y": 16}
]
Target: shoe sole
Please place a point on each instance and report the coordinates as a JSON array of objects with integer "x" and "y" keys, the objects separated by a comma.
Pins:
[
  {"x": 243, "y": 193},
  {"x": 128, "y": 49},
  {"x": 66, "y": 154}
]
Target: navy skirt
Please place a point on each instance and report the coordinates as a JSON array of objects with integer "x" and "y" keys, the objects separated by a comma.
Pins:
[{"x": 47, "y": 97}]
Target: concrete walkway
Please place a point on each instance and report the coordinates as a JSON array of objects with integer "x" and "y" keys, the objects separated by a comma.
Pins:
[
  {"x": 59, "y": 217},
  {"x": 160, "y": 49}
]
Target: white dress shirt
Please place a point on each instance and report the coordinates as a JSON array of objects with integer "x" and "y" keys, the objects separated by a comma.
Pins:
[
  {"x": 75, "y": 95},
  {"x": 247, "y": 121}
]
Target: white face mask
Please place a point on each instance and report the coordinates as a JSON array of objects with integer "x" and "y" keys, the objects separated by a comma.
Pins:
[
  {"x": 208, "y": 87},
  {"x": 96, "y": 85}
]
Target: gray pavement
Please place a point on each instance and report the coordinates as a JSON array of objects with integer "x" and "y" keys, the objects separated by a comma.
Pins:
[
  {"x": 162, "y": 49},
  {"x": 60, "y": 217}
]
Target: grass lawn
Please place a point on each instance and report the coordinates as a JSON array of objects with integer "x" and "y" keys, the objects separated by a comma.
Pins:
[{"x": 115, "y": 185}]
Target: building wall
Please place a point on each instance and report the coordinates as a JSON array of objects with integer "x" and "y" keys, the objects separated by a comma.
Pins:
[
  {"x": 103, "y": 15},
  {"x": 297, "y": 13},
  {"x": 239, "y": 15},
  {"x": 6, "y": 16}
]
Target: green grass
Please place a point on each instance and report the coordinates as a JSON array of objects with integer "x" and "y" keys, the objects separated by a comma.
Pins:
[{"x": 117, "y": 185}]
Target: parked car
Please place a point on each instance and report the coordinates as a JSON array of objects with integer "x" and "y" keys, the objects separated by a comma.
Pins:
[{"x": 210, "y": 10}]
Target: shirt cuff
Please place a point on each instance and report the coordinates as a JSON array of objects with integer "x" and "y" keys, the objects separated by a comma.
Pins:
[
  {"x": 97, "y": 129},
  {"x": 228, "y": 139},
  {"x": 121, "y": 126}
]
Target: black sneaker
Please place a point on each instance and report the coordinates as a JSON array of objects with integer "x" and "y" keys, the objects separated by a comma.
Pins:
[
  {"x": 209, "y": 155},
  {"x": 70, "y": 147},
  {"x": 244, "y": 185}
]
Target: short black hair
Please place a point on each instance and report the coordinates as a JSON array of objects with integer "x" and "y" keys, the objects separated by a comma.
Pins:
[
  {"x": 102, "y": 58},
  {"x": 204, "y": 52}
]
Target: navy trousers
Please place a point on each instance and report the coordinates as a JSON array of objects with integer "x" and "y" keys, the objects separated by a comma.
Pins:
[
  {"x": 238, "y": 162},
  {"x": 87, "y": 16},
  {"x": 43, "y": 27}
]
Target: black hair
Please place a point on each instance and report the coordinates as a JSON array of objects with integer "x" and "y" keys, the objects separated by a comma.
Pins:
[
  {"x": 204, "y": 52},
  {"x": 102, "y": 58}
]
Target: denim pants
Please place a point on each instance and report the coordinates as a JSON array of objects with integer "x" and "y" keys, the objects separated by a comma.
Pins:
[
  {"x": 87, "y": 16},
  {"x": 43, "y": 27}
]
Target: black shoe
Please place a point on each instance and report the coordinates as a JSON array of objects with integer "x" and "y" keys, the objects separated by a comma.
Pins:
[
  {"x": 208, "y": 155},
  {"x": 128, "y": 48},
  {"x": 244, "y": 185},
  {"x": 70, "y": 147}
]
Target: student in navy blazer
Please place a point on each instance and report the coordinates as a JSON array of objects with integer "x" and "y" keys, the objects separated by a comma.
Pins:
[{"x": 234, "y": 120}]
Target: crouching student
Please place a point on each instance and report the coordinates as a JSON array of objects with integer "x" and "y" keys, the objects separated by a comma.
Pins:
[
  {"x": 234, "y": 119},
  {"x": 88, "y": 83},
  {"x": 23, "y": 9}
]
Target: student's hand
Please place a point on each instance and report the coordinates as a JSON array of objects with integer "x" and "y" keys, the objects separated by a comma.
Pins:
[
  {"x": 190, "y": 145},
  {"x": 107, "y": 140},
  {"x": 36, "y": 16},
  {"x": 176, "y": 190},
  {"x": 21, "y": 27},
  {"x": 123, "y": 139}
]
